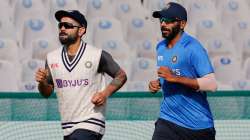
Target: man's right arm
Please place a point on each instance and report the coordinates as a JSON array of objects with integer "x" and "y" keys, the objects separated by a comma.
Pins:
[
  {"x": 45, "y": 89},
  {"x": 44, "y": 79}
]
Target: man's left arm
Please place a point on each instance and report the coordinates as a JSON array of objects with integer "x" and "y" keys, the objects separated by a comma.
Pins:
[
  {"x": 199, "y": 60},
  {"x": 117, "y": 82},
  {"x": 205, "y": 83},
  {"x": 109, "y": 66}
]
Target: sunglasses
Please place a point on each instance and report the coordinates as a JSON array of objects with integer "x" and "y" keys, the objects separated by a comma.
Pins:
[
  {"x": 67, "y": 25},
  {"x": 167, "y": 20}
]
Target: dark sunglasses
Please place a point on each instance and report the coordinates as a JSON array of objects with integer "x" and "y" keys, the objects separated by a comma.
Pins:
[
  {"x": 67, "y": 25},
  {"x": 167, "y": 20}
]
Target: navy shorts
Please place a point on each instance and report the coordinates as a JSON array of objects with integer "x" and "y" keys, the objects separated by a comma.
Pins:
[
  {"x": 83, "y": 134},
  {"x": 165, "y": 130}
]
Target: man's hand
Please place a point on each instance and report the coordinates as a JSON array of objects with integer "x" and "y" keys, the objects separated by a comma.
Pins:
[
  {"x": 154, "y": 86},
  {"x": 166, "y": 73},
  {"x": 99, "y": 98},
  {"x": 44, "y": 88},
  {"x": 41, "y": 75}
]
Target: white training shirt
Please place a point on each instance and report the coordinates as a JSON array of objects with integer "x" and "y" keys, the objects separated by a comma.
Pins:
[{"x": 75, "y": 83}]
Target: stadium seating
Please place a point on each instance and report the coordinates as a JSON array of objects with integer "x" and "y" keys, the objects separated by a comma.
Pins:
[
  {"x": 137, "y": 85},
  {"x": 208, "y": 28},
  {"x": 28, "y": 30},
  {"x": 28, "y": 86},
  {"x": 139, "y": 28},
  {"x": 241, "y": 38},
  {"x": 9, "y": 50},
  {"x": 232, "y": 11},
  {"x": 201, "y": 10},
  {"x": 82, "y": 6},
  {"x": 29, "y": 67},
  {"x": 104, "y": 29},
  {"x": 224, "y": 86},
  {"x": 241, "y": 84},
  {"x": 99, "y": 8},
  {"x": 118, "y": 49},
  {"x": 127, "y": 30},
  {"x": 219, "y": 45},
  {"x": 241, "y": 28},
  {"x": 145, "y": 48},
  {"x": 245, "y": 49},
  {"x": 60, "y": 5},
  {"x": 8, "y": 10},
  {"x": 35, "y": 28},
  {"x": 25, "y": 10},
  {"x": 40, "y": 48},
  {"x": 143, "y": 69},
  {"x": 126, "y": 10},
  {"x": 9, "y": 73},
  {"x": 153, "y": 5},
  {"x": 7, "y": 28},
  {"x": 227, "y": 68},
  {"x": 246, "y": 68}
]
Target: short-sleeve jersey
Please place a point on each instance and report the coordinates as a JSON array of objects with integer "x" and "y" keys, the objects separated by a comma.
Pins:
[
  {"x": 75, "y": 83},
  {"x": 182, "y": 105}
]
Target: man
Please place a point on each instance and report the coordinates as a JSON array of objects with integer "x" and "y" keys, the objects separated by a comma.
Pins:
[
  {"x": 76, "y": 71},
  {"x": 185, "y": 74}
]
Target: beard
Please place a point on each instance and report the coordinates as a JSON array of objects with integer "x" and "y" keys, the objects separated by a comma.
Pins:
[
  {"x": 172, "y": 32},
  {"x": 66, "y": 39}
]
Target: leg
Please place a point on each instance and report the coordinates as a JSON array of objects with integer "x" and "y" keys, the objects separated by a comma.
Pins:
[
  {"x": 66, "y": 138},
  {"x": 189, "y": 134},
  {"x": 204, "y": 134},
  {"x": 164, "y": 131},
  {"x": 83, "y": 134}
]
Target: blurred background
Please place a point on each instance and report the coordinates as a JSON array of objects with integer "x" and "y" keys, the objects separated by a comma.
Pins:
[{"x": 126, "y": 29}]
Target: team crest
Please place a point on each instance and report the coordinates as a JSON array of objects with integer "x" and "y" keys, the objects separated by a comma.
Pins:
[
  {"x": 88, "y": 64},
  {"x": 174, "y": 59}
]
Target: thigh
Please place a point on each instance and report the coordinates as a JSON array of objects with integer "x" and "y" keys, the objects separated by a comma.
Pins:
[
  {"x": 204, "y": 134},
  {"x": 190, "y": 134},
  {"x": 164, "y": 131},
  {"x": 82, "y": 134},
  {"x": 66, "y": 138}
]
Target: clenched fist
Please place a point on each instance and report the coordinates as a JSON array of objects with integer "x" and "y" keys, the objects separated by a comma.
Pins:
[
  {"x": 41, "y": 75},
  {"x": 166, "y": 73},
  {"x": 99, "y": 98},
  {"x": 154, "y": 86}
]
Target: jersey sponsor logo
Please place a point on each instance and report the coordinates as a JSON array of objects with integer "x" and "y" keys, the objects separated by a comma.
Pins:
[
  {"x": 61, "y": 83},
  {"x": 160, "y": 58},
  {"x": 174, "y": 59},
  {"x": 177, "y": 72},
  {"x": 88, "y": 64}
]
